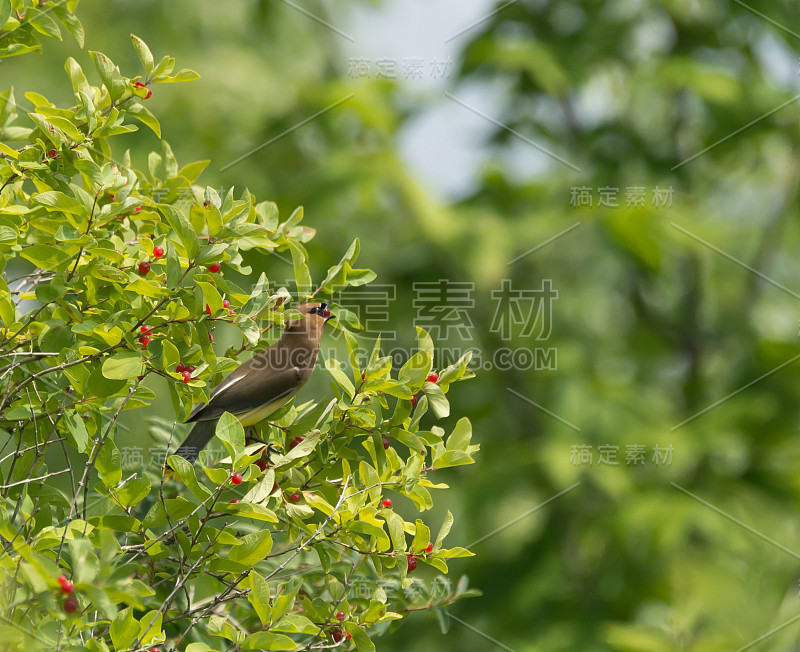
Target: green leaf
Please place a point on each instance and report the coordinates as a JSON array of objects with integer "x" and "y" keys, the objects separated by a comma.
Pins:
[
  {"x": 452, "y": 458},
  {"x": 437, "y": 400},
  {"x": 73, "y": 25},
  {"x": 133, "y": 491},
  {"x": 343, "y": 274},
  {"x": 5, "y": 11},
  {"x": 253, "y": 548},
  {"x": 145, "y": 56},
  {"x": 146, "y": 288},
  {"x": 123, "y": 366},
  {"x": 78, "y": 79},
  {"x": 268, "y": 641},
  {"x": 77, "y": 429},
  {"x": 231, "y": 434},
  {"x": 143, "y": 115},
  {"x": 360, "y": 638},
  {"x": 109, "y": 464},
  {"x": 42, "y": 23},
  {"x": 461, "y": 436},
  {"x": 211, "y": 296},
  {"x": 192, "y": 171},
  {"x": 46, "y": 257},
  {"x": 184, "y": 75},
  {"x": 284, "y": 602},
  {"x": 181, "y": 225},
  {"x": 444, "y": 530},
  {"x": 187, "y": 475},
  {"x": 84, "y": 561},
  {"x": 124, "y": 629},
  {"x": 259, "y": 597},
  {"x": 421, "y": 538},
  {"x": 453, "y": 553},
  {"x": 302, "y": 276},
  {"x": 295, "y": 624},
  {"x": 34, "y": 577},
  {"x": 335, "y": 369},
  {"x": 396, "y": 531},
  {"x": 416, "y": 369},
  {"x": 150, "y": 627},
  {"x": 109, "y": 73}
]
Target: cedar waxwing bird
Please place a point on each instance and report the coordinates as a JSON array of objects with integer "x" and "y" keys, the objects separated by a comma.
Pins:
[{"x": 263, "y": 384}]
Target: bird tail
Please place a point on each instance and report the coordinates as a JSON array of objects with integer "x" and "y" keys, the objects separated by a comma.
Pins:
[{"x": 200, "y": 435}]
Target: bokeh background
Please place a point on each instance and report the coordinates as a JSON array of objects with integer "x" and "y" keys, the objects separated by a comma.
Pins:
[{"x": 674, "y": 399}]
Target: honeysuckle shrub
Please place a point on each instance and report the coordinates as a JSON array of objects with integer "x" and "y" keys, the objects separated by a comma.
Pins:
[{"x": 112, "y": 278}]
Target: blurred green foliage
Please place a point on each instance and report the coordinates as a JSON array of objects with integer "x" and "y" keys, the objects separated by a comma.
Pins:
[{"x": 653, "y": 325}]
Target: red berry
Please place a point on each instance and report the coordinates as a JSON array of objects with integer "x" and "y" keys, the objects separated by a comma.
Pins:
[
  {"x": 296, "y": 497},
  {"x": 386, "y": 443},
  {"x": 236, "y": 478},
  {"x": 62, "y": 580},
  {"x": 187, "y": 376},
  {"x": 231, "y": 313},
  {"x": 144, "y": 340},
  {"x": 363, "y": 375},
  {"x": 139, "y": 84},
  {"x": 52, "y": 153},
  {"x": 275, "y": 487},
  {"x": 412, "y": 564},
  {"x": 340, "y": 616},
  {"x": 262, "y": 464},
  {"x": 144, "y": 268},
  {"x": 154, "y": 649},
  {"x": 214, "y": 268},
  {"x": 158, "y": 251},
  {"x": 69, "y": 389},
  {"x": 208, "y": 309},
  {"x": 145, "y": 329},
  {"x": 413, "y": 401},
  {"x": 295, "y": 442},
  {"x": 386, "y": 503},
  {"x": 336, "y": 634},
  {"x": 137, "y": 209},
  {"x": 71, "y": 604},
  {"x": 112, "y": 197},
  {"x": 234, "y": 501},
  {"x": 348, "y": 635},
  {"x": 429, "y": 547},
  {"x": 67, "y": 588},
  {"x": 226, "y": 303},
  {"x": 180, "y": 368},
  {"x": 433, "y": 377}
]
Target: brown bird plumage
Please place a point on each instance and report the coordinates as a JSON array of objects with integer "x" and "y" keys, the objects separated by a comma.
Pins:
[{"x": 264, "y": 383}]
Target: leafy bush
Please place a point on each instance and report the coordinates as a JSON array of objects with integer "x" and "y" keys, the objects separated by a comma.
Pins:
[{"x": 113, "y": 278}]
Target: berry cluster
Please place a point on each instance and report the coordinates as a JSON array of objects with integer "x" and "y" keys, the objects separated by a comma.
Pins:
[
  {"x": 68, "y": 588},
  {"x": 185, "y": 370}
]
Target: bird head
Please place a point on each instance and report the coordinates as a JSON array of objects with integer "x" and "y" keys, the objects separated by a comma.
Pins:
[{"x": 316, "y": 314}]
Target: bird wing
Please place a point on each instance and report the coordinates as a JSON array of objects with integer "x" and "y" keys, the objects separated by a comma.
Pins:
[{"x": 238, "y": 397}]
